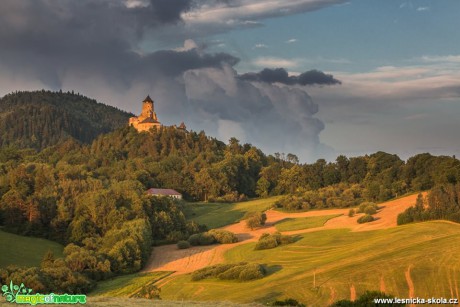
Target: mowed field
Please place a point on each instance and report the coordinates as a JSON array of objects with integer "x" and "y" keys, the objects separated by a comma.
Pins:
[
  {"x": 170, "y": 258},
  {"x": 215, "y": 215},
  {"x": 25, "y": 251},
  {"x": 291, "y": 224},
  {"x": 338, "y": 259},
  {"x": 127, "y": 285},
  {"x": 346, "y": 258},
  {"x": 419, "y": 259}
]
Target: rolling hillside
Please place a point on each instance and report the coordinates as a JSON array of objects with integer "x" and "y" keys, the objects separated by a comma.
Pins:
[
  {"x": 43, "y": 118},
  {"x": 216, "y": 215},
  {"x": 402, "y": 261},
  {"x": 25, "y": 251},
  {"x": 338, "y": 259}
]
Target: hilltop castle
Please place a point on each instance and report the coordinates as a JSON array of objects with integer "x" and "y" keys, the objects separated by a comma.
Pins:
[{"x": 148, "y": 118}]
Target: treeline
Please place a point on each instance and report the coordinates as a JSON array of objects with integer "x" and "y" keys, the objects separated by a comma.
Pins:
[
  {"x": 375, "y": 178},
  {"x": 42, "y": 118},
  {"x": 441, "y": 203}
]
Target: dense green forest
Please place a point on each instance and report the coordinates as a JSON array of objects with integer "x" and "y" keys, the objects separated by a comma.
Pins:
[
  {"x": 90, "y": 194},
  {"x": 441, "y": 203},
  {"x": 348, "y": 182},
  {"x": 43, "y": 118}
]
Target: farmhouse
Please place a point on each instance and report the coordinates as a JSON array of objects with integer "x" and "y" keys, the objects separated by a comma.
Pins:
[
  {"x": 164, "y": 192},
  {"x": 148, "y": 118}
]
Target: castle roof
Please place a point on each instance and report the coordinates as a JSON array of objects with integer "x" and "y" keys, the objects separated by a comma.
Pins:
[
  {"x": 182, "y": 126},
  {"x": 148, "y": 99}
]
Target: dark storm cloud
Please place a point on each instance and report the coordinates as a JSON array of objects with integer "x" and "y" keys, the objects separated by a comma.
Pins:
[
  {"x": 173, "y": 63},
  {"x": 166, "y": 11},
  {"x": 65, "y": 25},
  {"x": 94, "y": 47},
  {"x": 280, "y": 75},
  {"x": 47, "y": 39}
]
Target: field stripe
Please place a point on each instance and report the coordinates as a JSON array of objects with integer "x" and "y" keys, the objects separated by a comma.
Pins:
[{"x": 410, "y": 283}]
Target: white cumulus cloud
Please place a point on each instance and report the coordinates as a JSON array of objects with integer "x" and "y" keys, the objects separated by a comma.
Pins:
[{"x": 275, "y": 62}]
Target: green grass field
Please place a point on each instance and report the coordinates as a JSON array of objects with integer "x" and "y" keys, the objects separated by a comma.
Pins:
[
  {"x": 104, "y": 301},
  {"x": 127, "y": 285},
  {"x": 341, "y": 259},
  {"x": 216, "y": 215},
  {"x": 25, "y": 251},
  {"x": 291, "y": 224}
]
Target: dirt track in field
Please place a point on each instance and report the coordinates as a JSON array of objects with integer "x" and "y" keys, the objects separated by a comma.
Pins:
[
  {"x": 170, "y": 258},
  {"x": 410, "y": 283}
]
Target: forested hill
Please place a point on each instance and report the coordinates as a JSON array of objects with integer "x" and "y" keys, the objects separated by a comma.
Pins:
[{"x": 43, "y": 118}]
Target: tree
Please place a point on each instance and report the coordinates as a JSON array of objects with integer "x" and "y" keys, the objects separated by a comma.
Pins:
[
  {"x": 292, "y": 158},
  {"x": 255, "y": 219},
  {"x": 48, "y": 259},
  {"x": 263, "y": 186}
]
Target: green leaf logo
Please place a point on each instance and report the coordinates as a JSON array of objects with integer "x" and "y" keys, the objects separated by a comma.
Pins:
[{"x": 13, "y": 290}]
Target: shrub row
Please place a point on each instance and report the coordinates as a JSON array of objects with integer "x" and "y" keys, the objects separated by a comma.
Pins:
[
  {"x": 208, "y": 238},
  {"x": 241, "y": 271},
  {"x": 203, "y": 238},
  {"x": 365, "y": 219},
  {"x": 267, "y": 241},
  {"x": 223, "y": 236}
]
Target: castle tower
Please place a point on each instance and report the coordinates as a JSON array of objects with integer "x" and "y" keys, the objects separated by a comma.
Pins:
[
  {"x": 148, "y": 109},
  {"x": 148, "y": 117}
]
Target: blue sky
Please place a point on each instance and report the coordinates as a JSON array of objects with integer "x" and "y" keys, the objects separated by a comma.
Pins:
[
  {"x": 398, "y": 63},
  {"x": 364, "y": 34}
]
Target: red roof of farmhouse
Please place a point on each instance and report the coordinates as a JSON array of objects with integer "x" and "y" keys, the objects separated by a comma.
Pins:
[{"x": 154, "y": 191}]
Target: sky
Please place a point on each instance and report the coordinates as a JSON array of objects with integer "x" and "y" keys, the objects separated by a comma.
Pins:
[{"x": 316, "y": 78}]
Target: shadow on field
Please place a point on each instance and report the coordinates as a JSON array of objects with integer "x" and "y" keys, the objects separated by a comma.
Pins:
[
  {"x": 272, "y": 269},
  {"x": 283, "y": 220},
  {"x": 296, "y": 238}
]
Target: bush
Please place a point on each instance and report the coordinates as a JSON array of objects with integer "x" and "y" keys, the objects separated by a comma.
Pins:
[
  {"x": 194, "y": 239},
  {"x": 351, "y": 213},
  {"x": 404, "y": 218},
  {"x": 252, "y": 271},
  {"x": 211, "y": 271},
  {"x": 240, "y": 271},
  {"x": 370, "y": 210},
  {"x": 213, "y": 236},
  {"x": 232, "y": 273},
  {"x": 149, "y": 292},
  {"x": 288, "y": 302},
  {"x": 267, "y": 241},
  {"x": 183, "y": 245},
  {"x": 203, "y": 238},
  {"x": 264, "y": 235},
  {"x": 365, "y": 219},
  {"x": 368, "y": 206},
  {"x": 223, "y": 236},
  {"x": 255, "y": 219}
]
